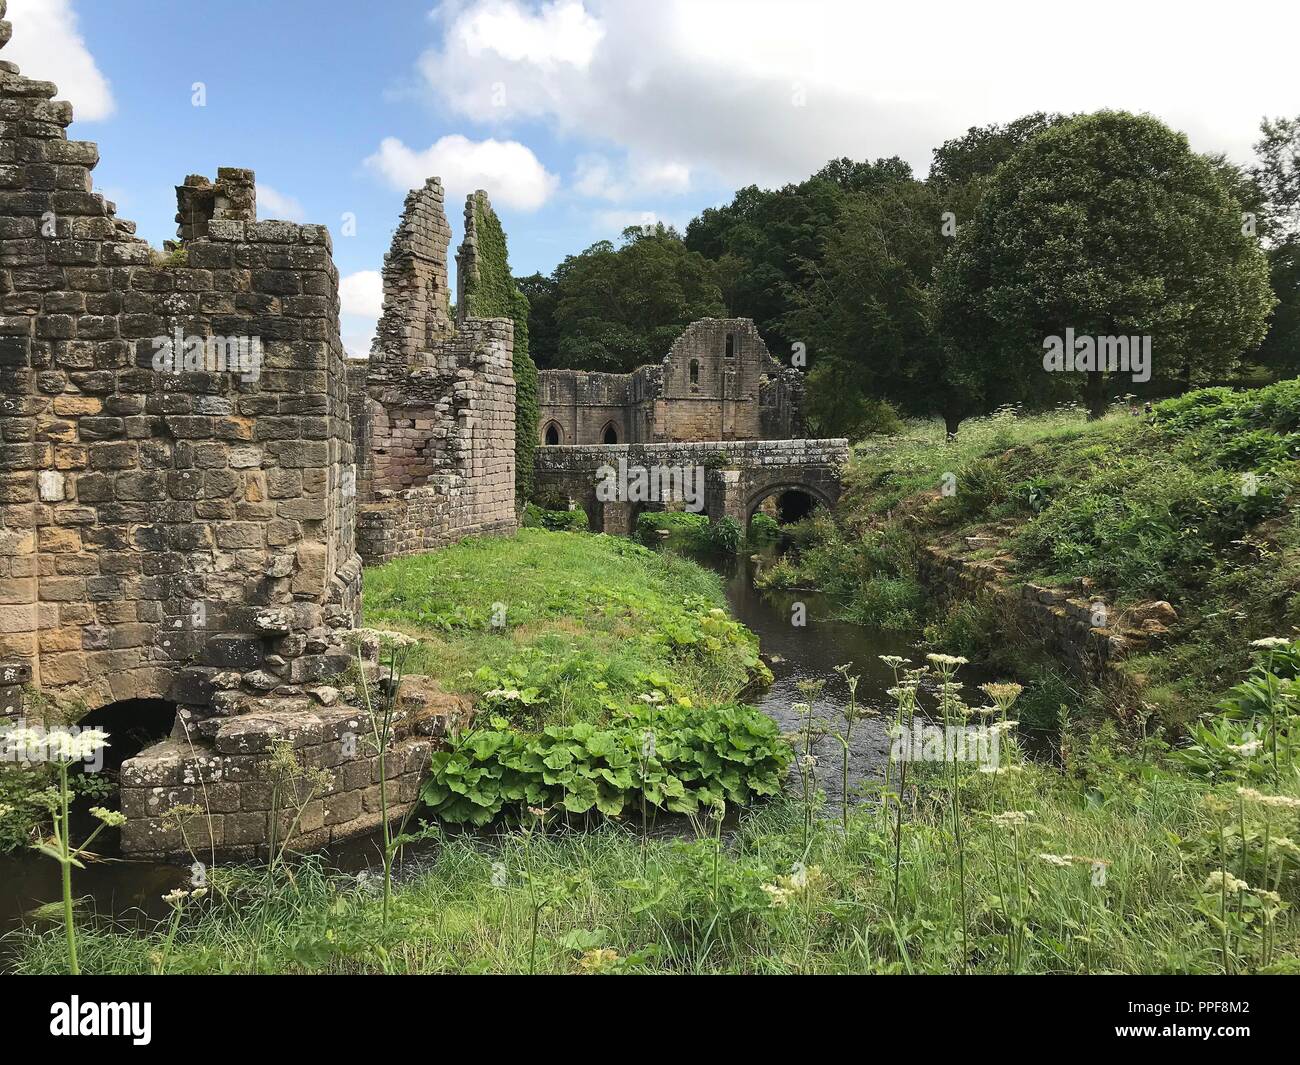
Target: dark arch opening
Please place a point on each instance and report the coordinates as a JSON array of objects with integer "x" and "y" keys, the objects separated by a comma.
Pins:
[
  {"x": 794, "y": 505},
  {"x": 132, "y": 725},
  {"x": 788, "y": 504},
  {"x": 610, "y": 435},
  {"x": 552, "y": 434}
]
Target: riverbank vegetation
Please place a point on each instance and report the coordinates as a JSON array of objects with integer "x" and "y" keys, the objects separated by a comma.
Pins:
[
  {"x": 1189, "y": 505},
  {"x": 1118, "y": 861}
]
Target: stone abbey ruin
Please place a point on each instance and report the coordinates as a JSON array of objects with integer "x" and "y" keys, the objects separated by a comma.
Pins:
[
  {"x": 192, "y": 472},
  {"x": 719, "y": 382}
]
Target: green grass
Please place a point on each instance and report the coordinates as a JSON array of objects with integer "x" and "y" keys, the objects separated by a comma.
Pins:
[
  {"x": 590, "y": 623},
  {"x": 669, "y": 909},
  {"x": 1193, "y": 506}
]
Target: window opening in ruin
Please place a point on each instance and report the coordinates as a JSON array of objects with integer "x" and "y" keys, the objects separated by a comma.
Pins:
[
  {"x": 552, "y": 434},
  {"x": 695, "y": 371},
  {"x": 731, "y": 345},
  {"x": 611, "y": 434}
]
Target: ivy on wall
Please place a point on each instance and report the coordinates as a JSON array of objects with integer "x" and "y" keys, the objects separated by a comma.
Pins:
[{"x": 495, "y": 295}]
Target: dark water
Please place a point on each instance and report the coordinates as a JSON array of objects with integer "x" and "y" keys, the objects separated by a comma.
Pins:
[
  {"x": 130, "y": 893},
  {"x": 812, "y": 651}
]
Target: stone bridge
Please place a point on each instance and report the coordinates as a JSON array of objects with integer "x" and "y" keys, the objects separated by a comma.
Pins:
[{"x": 738, "y": 475}]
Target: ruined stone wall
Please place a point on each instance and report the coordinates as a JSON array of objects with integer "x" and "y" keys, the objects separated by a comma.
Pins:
[
  {"x": 175, "y": 427},
  {"x": 1073, "y": 623},
  {"x": 718, "y": 382},
  {"x": 435, "y": 408}
]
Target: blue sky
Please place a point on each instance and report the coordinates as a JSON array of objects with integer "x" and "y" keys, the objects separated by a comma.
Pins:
[{"x": 582, "y": 116}]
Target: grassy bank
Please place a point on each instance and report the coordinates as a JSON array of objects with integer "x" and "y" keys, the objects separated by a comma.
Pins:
[
  {"x": 1191, "y": 505},
  {"x": 579, "y": 626},
  {"x": 1114, "y": 865}
]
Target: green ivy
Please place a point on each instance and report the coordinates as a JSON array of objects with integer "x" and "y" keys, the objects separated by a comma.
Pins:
[{"x": 495, "y": 295}]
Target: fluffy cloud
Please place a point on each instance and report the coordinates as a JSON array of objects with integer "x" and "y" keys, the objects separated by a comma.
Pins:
[
  {"x": 361, "y": 302},
  {"x": 597, "y": 177},
  {"x": 767, "y": 91},
  {"x": 510, "y": 172},
  {"x": 271, "y": 203},
  {"x": 47, "y": 46},
  {"x": 362, "y": 294}
]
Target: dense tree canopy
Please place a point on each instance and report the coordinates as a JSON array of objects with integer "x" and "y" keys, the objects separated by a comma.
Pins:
[
  {"x": 1277, "y": 178},
  {"x": 1108, "y": 225},
  {"x": 936, "y": 296},
  {"x": 617, "y": 308}
]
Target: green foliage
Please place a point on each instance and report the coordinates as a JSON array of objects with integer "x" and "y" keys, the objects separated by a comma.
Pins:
[
  {"x": 494, "y": 294},
  {"x": 687, "y": 532},
  {"x": 1109, "y": 224},
  {"x": 617, "y": 308},
  {"x": 725, "y": 535},
  {"x": 761, "y": 239},
  {"x": 19, "y": 785},
  {"x": 536, "y": 517},
  {"x": 763, "y": 529},
  {"x": 702, "y": 756}
]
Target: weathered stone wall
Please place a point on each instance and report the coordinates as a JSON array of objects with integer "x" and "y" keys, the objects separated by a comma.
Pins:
[
  {"x": 739, "y": 475},
  {"x": 150, "y": 509},
  {"x": 177, "y": 483},
  {"x": 1073, "y": 623},
  {"x": 243, "y": 804},
  {"x": 718, "y": 382},
  {"x": 434, "y": 410}
]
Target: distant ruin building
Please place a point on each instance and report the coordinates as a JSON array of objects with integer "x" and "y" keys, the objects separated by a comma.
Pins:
[
  {"x": 433, "y": 408},
  {"x": 718, "y": 382}
]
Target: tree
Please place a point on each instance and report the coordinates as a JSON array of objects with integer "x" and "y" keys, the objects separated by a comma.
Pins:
[
  {"x": 620, "y": 308},
  {"x": 1110, "y": 226},
  {"x": 1277, "y": 177},
  {"x": 543, "y": 294},
  {"x": 866, "y": 311},
  {"x": 761, "y": 240}
]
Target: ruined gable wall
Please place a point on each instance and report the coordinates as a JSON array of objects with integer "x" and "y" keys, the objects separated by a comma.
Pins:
[
  {"x": 438, "y": 403},
  {"x": 148, "y": 516},
  {"x": 747, "y": 396}
]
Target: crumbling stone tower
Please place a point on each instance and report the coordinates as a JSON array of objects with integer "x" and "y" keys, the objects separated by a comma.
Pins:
[
  {"x": 177, "y": 485},
  {"x": 434, "y": 406}
]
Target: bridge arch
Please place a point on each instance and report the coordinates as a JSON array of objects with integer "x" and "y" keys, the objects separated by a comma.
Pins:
[{"x": 818, "y": 495}]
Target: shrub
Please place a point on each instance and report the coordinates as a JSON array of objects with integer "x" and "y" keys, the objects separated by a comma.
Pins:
[
  {"x": 724, "y": 535},
  {"x": 700, "y": 756},
  {"x": 763, "y": 529},
  {"x": 536, "y": 517}
]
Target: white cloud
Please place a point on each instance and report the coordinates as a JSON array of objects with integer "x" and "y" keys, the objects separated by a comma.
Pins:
[
  {"x": 47, "y": 46},
  {"x": 361, "y": 302},
  {"x": 597, "y": 177},
  {"x": 560, "y": 33},
  {"x": 362, "y": 294},
  {"x": 271, "y": 203},
  {"x": 509, "y": 171},
  {"x": 767, "y": 91}
]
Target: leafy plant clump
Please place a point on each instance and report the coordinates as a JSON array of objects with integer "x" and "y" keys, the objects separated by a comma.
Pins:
[{"x": 679, "y": 758}]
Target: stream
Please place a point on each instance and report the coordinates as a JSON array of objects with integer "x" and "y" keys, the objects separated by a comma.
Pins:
[{"x": 131, "y": 892}]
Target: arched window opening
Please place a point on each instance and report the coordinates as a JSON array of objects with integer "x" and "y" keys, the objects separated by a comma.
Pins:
[
  {"x": 552, "y": 434},
  {"x": 610, "y": 435}
]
